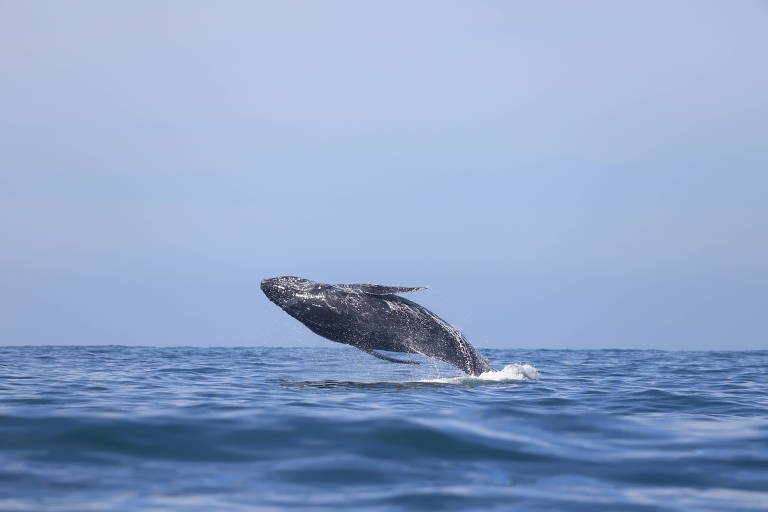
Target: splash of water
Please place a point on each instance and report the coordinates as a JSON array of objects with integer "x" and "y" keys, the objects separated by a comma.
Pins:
[{"x": 511, "y": 372}]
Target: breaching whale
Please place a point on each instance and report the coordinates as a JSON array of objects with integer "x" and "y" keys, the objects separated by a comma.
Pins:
[{"x": 373, "y": 317}]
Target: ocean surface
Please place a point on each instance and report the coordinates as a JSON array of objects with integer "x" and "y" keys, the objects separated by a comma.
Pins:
[{"x": 218, "y": 429}]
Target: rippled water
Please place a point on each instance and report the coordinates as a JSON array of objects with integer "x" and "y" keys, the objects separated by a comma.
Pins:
[{"x": 118, "y": 428}]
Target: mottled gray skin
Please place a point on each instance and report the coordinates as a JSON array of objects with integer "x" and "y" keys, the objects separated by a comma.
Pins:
[{"x": 371, "y": 317}]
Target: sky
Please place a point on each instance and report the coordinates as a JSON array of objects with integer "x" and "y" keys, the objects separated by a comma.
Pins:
[{"x": 561, "y": 174}]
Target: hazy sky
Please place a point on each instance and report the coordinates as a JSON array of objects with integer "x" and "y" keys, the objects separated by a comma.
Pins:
[{"x": 562, "y": 174}]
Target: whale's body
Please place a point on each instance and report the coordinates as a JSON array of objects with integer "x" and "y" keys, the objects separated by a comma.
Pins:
[{"x": 372, "y": 317}]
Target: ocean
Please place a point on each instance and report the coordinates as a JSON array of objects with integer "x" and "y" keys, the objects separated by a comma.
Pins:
[{"x": 91, "y": 428}]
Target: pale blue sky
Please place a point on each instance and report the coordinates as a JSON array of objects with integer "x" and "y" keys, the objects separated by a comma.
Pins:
[{"x": 562, "y": 174}]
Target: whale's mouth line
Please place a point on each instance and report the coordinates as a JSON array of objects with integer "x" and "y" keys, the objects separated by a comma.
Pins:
[{"x": 309, "y": 296}]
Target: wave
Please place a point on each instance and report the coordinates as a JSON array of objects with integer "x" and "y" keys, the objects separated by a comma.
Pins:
[{"x": 182, "y": 429}]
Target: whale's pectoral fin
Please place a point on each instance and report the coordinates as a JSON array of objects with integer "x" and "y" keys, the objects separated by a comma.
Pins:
[
  {"x": 380, "y": 289},
  {"x": 387, "y": 358}
]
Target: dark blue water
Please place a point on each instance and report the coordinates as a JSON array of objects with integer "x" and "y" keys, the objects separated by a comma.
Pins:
[{"x": 116, "y": 428}]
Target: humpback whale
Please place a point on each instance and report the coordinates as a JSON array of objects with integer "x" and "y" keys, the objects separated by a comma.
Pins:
[{"x": 374, "y": 317}]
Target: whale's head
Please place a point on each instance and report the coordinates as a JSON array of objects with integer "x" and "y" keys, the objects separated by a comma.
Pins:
[
  {"x": 286, "y": 291},
  {"x": 316, "y": 305}
]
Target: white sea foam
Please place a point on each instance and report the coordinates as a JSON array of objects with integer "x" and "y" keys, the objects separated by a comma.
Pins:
[{"x": 510, "y": 373}]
